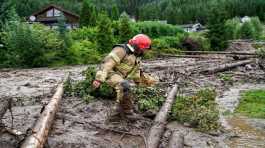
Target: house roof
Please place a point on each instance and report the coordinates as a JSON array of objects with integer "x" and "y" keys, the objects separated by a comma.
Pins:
[{"x": 57, "y": 7}]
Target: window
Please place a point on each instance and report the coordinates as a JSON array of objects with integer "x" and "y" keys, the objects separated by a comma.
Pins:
[
  {"x": 50, "y": 13},
  {"x": 57, "y": 12}
]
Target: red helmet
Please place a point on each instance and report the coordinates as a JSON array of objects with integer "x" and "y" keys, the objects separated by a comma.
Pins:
[{"x": 141, "y": 42}]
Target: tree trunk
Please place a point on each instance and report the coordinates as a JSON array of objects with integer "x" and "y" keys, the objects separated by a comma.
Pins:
[
  {"x": 217, "y": 52},
  {"x": 158, "y": 127},
  {"x": 225, "y": 67},
  {"x": 4, "y": 105},
  {"x": 42, "y": 126},
  {"x": 176, "y": 140},
  {"x": 242, "y": 57},
  {"x": 189, "y": 56}
]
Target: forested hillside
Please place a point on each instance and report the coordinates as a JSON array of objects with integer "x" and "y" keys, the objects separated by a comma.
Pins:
[{"x": 174, "y": 11}]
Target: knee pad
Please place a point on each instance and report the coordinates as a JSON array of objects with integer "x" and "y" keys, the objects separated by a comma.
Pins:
[{"x": 125, "y": 85}]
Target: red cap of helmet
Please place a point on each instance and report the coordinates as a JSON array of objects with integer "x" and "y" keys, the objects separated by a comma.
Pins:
[{"x": 141, "y": 42}]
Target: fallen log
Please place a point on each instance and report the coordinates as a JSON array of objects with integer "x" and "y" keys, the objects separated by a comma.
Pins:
[
  {"x": 225, "y": 67},
  {"x": 42, "y": 126},
  {"x": 189, "y": 56},
  {"x": 4, "y": 106},
  {"x": 158, "y": 127},
  {"x": 242, "y": 57},
  {"x": 176, "y": 140},
  {"x": 217, "y": 52}
]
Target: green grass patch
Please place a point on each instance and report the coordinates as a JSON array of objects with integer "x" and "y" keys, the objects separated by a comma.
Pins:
[{"x": 252, "y": 104}]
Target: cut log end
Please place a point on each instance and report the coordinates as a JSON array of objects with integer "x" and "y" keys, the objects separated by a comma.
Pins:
[{"x": 176, "y": 140}]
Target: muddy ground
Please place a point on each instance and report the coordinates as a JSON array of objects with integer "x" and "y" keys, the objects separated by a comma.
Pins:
[{"x": 81, "y": 125}]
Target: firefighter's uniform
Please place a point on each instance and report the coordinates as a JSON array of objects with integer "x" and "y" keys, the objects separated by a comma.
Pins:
[{"x": 120, "y": 66}]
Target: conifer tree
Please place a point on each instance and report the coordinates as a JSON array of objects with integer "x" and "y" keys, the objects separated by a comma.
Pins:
[
  {"x": 115, "y": 12},
  {"x": 247, "y": 31},
  {"x": 88, "y": 14},
  {"x": 7, "y": 12},
  {"x": 125, "y": 28},
  {"x": 105, "y": 37},
  {"x": 216, "y": 27},
  {"x": 61, "y": 24}
]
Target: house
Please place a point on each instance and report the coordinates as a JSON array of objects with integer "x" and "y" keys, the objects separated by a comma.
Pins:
[
  {"x": 245, "y": 19},
  {"x": 51, "y": 14},
  {"x": 193, "y": 27}
]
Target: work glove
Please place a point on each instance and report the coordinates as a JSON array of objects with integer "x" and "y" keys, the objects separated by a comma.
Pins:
[{"x": 96, "y": 84}]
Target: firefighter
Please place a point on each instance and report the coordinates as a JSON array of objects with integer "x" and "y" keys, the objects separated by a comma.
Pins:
[{"x": 122, "y": 66}]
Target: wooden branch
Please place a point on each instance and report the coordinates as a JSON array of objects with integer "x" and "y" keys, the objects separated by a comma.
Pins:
[
  {"x": 4, "y": 106},
  {"x": 176, "y": 140},
  {"x": 158, "y": 127},
  {"x": 225, "y": 67},
  {"x": 42, "y": 126}
]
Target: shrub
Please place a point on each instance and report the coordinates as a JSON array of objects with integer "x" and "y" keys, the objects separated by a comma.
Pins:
[
  {"x": 247, "y": 31},
  {"x": 168, "y": 41},
  {"x": 149, "y": 98},
  {"x": 252, "y": 29},
  {"x": 146, "y": 97},
  {"x": 30, "y": 45},
  {"x": 196, "y": 41},
  {"x": 85, "y": 90},
  {"x": 156, "y": 29},
  {"x": 83, "y": 52},
  {"x": 200, "y": 110},
  {"x": 84, "y": 33},
  {"x": 232, "y": 28}
]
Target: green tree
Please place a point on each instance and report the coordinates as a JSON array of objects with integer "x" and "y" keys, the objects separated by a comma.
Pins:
[
  {"x": 105, "y": 38},
  {"x": 115, "y": 12},
  {"x": 62, "y": 24},
  {"x": 232, "y": 28},
  {"x": 216, "y": 26},
  {"x": 30, "y": 45},
  {"x": 7, "y": 12},
  {"x": 257, "y": 26},
  {"x": 125, "y": 28},
  {"x": 88, "y": 14},
  {"x": 247, "y": 31},
  {"x": 8, "y": 16}
]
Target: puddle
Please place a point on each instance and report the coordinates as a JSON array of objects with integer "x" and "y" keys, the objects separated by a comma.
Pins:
[{"x": 249, "y": 133}]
